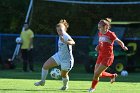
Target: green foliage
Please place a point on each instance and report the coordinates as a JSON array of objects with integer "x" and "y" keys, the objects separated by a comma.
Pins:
[
  {"x": 12, "y": 15},
  {"x": 83, "y": 19}
]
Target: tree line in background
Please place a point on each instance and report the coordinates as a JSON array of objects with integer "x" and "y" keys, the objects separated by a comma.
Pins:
[
  {"x": 83, "y": 19},
  {"x": 12, "y": 15}
]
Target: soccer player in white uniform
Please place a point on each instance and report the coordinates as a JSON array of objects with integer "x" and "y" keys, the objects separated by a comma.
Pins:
[{"x": 63, "y": 57}]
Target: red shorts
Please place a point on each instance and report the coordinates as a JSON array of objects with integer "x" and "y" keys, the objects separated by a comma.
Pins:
[{"x": 106, "y": 61}]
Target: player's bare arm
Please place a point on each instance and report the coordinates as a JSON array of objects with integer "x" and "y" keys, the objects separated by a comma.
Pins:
[
  {"x": 69, "y": 41},
  {"x": 121, "y": 44}
]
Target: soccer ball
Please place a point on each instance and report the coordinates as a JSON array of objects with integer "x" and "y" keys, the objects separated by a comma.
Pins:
[
  {"x": 55, "y": 73},
  {"x": 124, "y": 73},
  {"x": 18, "y": 40}
]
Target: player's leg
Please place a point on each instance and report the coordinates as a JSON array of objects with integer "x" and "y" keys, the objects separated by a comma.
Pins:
[
  {"x": 65, "y": 79},
  {"x": 104, "y": 74},
  {"x": 96, "y": 66},
  {"x": 65, "y": 68},
  {"x": 47, "y": 65},
  {"x": 98, "y": 62},
  {"x": 109, "y": 75},
  {"x": 97, "y": 73}
]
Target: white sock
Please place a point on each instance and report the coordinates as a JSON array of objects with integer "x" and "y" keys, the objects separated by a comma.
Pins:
[
  {"x": 44, "y": 74},
  {"x": 65, "y": 81}
]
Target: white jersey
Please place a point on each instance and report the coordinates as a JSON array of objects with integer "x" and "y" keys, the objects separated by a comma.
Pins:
[
  {"x": 64, "y": 56},
  {"x": 65, "y": 50}
]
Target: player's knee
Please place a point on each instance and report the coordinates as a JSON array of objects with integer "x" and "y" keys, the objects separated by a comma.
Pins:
[
  {"x": 45, "y": 67},
  {"x": 96, "y": 74},
  {"x": 64, "y": 74}
]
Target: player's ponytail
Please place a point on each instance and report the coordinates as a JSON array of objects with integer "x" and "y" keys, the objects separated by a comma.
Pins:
[
  {"x": 64, "y": 22},
  {"x": 108, "y": 20}
]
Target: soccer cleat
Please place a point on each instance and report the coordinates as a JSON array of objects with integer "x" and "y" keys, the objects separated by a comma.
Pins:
[
  {"x": 91, "y": 90},
  {"x": 40, "y": 83},
  {"x": 113, "y": 79},
  {"x": 64, "y": 88}
]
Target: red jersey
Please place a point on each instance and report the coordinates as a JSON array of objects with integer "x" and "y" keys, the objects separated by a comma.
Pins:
[{"x": 106, "y": 42}]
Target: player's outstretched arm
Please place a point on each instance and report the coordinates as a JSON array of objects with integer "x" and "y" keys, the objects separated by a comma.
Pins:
[{"x": 121, "y": 44}]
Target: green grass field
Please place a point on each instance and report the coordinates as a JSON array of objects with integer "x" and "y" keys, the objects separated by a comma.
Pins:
[{"x": 16, "y": 81}]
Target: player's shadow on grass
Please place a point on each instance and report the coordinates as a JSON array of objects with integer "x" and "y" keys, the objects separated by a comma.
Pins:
[
  {"x": 44, "y": 90},
  {"x": 20, "y": 90},
  {"x": 27, "y": 90}
]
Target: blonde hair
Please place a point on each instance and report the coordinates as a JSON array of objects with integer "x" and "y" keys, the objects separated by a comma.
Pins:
[
  {"x": 64, "y": 22},
  {"x": 106, "y": 21}
]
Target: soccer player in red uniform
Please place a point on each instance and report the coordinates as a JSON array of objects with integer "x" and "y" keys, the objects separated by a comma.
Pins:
[{"x": 105, "y": 51}]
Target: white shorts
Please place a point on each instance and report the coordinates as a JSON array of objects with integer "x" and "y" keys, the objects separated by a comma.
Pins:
[{"x": 65, "y": 64}]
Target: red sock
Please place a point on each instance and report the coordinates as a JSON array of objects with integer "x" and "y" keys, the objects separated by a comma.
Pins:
[
  {"x": 106, "y": 74},
  {"x": 94, "y": 83}
]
